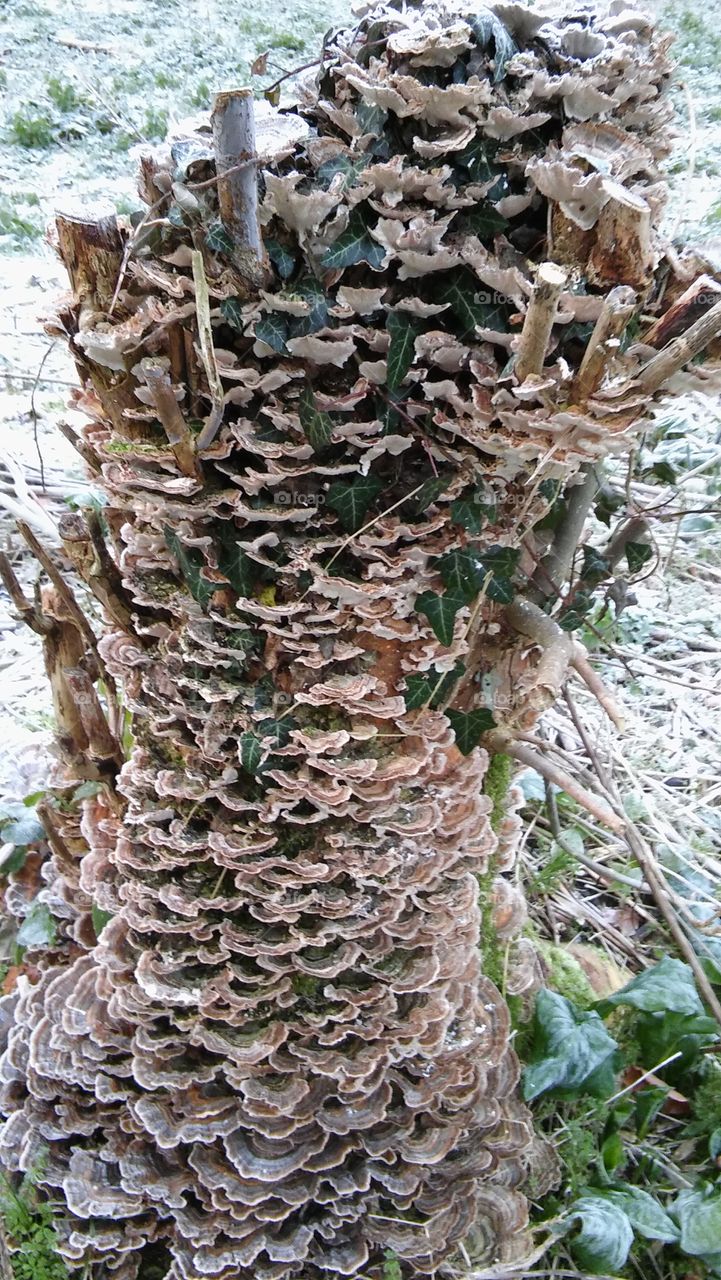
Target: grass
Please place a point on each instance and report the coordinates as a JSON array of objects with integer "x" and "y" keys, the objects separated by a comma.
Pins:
[
  {"x": 33, "y": 127},
  {"x": 20, "y": 227}
]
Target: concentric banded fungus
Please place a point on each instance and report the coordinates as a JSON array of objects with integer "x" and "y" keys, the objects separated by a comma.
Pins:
[{"x": 321, "y": 469}]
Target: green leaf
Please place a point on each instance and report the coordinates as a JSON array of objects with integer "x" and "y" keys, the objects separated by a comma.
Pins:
[
  {"x": 432, "y": 689},
  {"x": 595, "y": 566},
  {"x": 23, "y": 831},
  {"x": 100, "y": 919},
  {"x": 637, "y": 555},
  {"x": 371, "y": 118},
  {"x": 667, "y": 987},
  {"x": 38, "y": 928},
  {"x": 459, "y": 571},
  {"x": 441, "y": 613},
  {"x": 275, "y": 733},
  {"x": 272, "y": 329},
  {"x": 484, "y": 221},
  {"x": 251, "y": 751},
  {"x": 643, "y": 1212},
  {"x": 401, "y": 351},
  {"x": 231, "y": 309},
  {"x": 606, "y": 1235},
  {"x": 486, "y": 26},
  {"x": 281, "y": 258},
  {"x": 309, "y": 290},
  {"x": 479, "y": 159},
  {"x": 500, "y": 563},
  {"x": 317, "y": 426},
  {"x": 351, "y": 501},
  {"x": 698, "y": 1214},
  {"x": 191, "y": 564},
  {"x": 341, "y": 164},
  {"x": 218, "y": 240},
  {"x": 233, "y": 561},
  {"x": 573, "y": 617},
  {"x": 467, "y": 299},
  {"x": 570, "y": 1046},
  {"x": 471, "y": 513},
  {"x": 663, "y": 471},
  {"x": 427, "y": 494},
  {"x": 354, "y": 245},
  {"x": 648, "y": 1104},
  {"x": 468, "y": 727}
]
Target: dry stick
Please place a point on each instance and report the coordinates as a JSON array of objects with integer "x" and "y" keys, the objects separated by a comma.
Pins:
[
  {"x": 28, "y": 612},
  {"x": 180, "y": 437},
  {"x": 604, "y": 873},
  {"x": 207, "y": 351},
  {"x": 678, "y": 352},
  {"x": 541, "y": 313},
  {"x": 555, "y": 565},
  {"x": 595, "y": 685},
  {"x": 102, "y": 744},
  {"x": 551, "y": 772},
  {"x": 75, "y": 613},
  {"x": 85, "y": 548},
  {"x": 81, "y": 447},
  {"x": 233, "y": 125},
  {"x": 617, "y": 310}
]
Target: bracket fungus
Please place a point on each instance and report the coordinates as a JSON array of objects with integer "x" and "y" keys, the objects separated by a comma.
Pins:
[{"x": 332, "y": 384}]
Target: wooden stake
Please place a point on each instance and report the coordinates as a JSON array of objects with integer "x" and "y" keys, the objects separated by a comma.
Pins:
[
  {"x": 180, "y": 437},
  {"x": 537, "y": 326},
  {"x": 233, "y": 125},
  {"x": 679, "y": 351},
  {"x": 615, "y": 314}
]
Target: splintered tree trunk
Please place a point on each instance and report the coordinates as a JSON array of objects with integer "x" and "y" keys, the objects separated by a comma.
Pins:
[{"x": 332, "y": 389}]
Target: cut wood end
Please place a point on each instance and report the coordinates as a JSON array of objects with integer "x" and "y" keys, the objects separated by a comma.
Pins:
[{"x": 551, "y": 273}]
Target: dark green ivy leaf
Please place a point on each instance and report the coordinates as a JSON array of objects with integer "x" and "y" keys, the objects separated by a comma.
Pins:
[
  {"x": 354, "y": 245},
  {"x": 251, "y": 751},
  {"x": 441, "y": 613},
  {"x": 403, "y": 333},
  {"x": 569, "y": 1047},
  {"x": 500, "y": 563},
  {"x": 667, "y": 987},
  {"x": 232, "y": 312},
  {"x": 344, "y": 165},
  {"x": 371, "y": 118},
  {"x": 486, "y": 26},
  {"x": 574, "y": 616},
  {"x": 595, "y": 567},
  {"x": 273, "y": 330},
  {"x": 431, "y": 689},
  {"x": 427, "y": 494},
  {"x": 469, "y": 302},
  {"x": 234, "y": 562},
  {"x": 484, "y": 221},
  {"x": 698, "y": 1214},
  {"x": 471, "y": 513},
  {"x": 191, "y": 564},
  {"x": 281, "y": 258},
  {"x": 311, "y": 291},
  {"x": 351, "y": 501},
  {"x": 317, "y": 426},
  {"x": 468, "y": 727},
  {"x": 479, "y": 159},
  {"x": 459, "y": 571},
  {"x": 218, "y": 240},
  {"x": 643, "y": 1212},
  {"x": 637, "y": 555},
  {"x": 275, "y": 733}
]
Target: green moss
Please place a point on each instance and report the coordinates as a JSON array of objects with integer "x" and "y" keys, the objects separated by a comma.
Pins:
[
  {"x": 565, "y": 975},
  {"x": 28, "y": 1223},
  {"x": 495, "y": 786}
]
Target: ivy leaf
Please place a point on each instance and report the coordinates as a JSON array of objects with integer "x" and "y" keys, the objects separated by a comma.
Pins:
[
  {"x": 486, "y": 26},
  {"x": 663, "y": 470},
  {"x": 401, "y": 350},
  {"x": 441, "y": 613},
  {"x": 484, "y": 221},
  {"x": 605, "y": 1238},
  {"x": 100, "y": 919},
  {"x": 637, "y": 555},
  {"x": 317, "y": 426},
  {"x": 698, "y": 1214},
  {"x": 283, "y": 260},
  {"x": 354, "y": 245},
  {"x": 465, "y": 296},
  {"x": 218, "y": 240},
  {"x": 344, "y": 165},
  {"x": 667, "y": 987},
  {"x": 572, "y": 1049},
  {"x": 501, "y": 564},
  {"x": 459, "y": 571},
  {"x": 251, "y": 751},
  {"x": 311, "y": 291},
  {"x": 479, "y": 159},
  {"x": 472, "y": 513},
  {"x": 272, "y": 329},
  {"x": 595, "y": 566},
  {"x": 24, "y": 830},
  {"x": 468, "y": 727},
  {"x": 432, "y": 689},
  {"x": 371, "y": 118},
  {"x": 234, "y": 562},
  {"x": 38, "y": 928},
  {"x": 573, "y": 617},
  {"x": 191, "y": 564},
  {"x": 231, "y": 310},
  {"x": 275, "y": 733},
  {"x": 643, "y": 1212},
  {"x": 427, "y": 494},
  {"x": 351, "y": 501}
]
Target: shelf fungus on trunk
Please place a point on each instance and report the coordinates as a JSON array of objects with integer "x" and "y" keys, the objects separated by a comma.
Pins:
[{"x": 331, "y": 390}]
